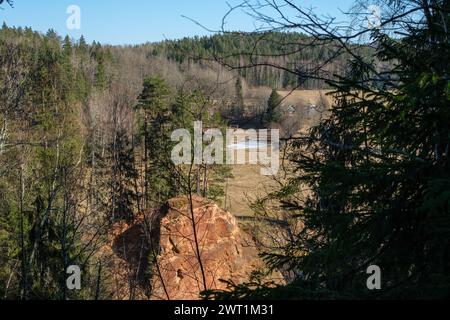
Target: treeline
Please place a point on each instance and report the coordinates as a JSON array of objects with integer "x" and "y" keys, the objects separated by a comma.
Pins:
[
  {"x": 291, "y": 52},
  {"x": 85, "y": 143}
]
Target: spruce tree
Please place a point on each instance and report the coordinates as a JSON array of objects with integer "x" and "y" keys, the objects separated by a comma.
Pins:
[
  {"x": 273, "y": 113},
  {"x": 155, "y": 120},
  {"x": 123, "y": 174},
  {"x": 370, "y": 184},
  {"x": 238, "y": 109}
]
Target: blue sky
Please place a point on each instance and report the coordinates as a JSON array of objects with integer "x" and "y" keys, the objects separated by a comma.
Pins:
[{"x": 139, "y": 21}]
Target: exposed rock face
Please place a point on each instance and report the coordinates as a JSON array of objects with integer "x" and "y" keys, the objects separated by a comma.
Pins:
[
  {"x": 226, "y": 252},
  {"x": 126, "y": 260},
  {"x": 155, "y": 256}
]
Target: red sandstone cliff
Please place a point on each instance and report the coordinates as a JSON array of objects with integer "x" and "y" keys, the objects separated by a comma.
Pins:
[{"x": 156, "y": 257}]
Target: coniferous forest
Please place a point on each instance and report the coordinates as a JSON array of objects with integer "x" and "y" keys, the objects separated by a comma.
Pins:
[{"x": 87, "y": 177}]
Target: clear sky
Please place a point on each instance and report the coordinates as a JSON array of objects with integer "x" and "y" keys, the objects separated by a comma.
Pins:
[{"x": 139, "y": 21}]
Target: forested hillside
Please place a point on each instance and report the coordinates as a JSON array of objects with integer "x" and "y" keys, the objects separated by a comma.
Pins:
[
  {"x": 287, "y": 50},
  {"x": 357, "y": 208},
  {"x": 85, "y": 143}
]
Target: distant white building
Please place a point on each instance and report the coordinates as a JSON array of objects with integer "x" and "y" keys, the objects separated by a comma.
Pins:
[
  {"x": 311, "y": 110},
  {"x": 290, "y": 110}
]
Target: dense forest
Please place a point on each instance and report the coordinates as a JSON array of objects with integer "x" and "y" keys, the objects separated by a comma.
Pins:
[
  {"x": 266, "y": 49},
  {"x": 85, "y": 143},
  {"x": 280, "y": 60}
]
